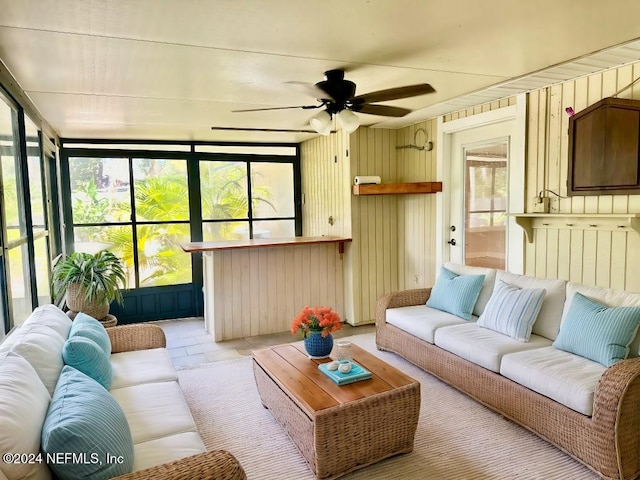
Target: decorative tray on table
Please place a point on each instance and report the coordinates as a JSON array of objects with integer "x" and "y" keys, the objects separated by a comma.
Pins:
[{"x": 356, "y": 374}]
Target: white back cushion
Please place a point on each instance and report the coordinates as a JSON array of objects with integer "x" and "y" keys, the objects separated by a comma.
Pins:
[
  {"x": 487, "y": 285},
  {"x": 41, "y": 346},
  {"x": 23, "y": 405},
  {"x": 548, "y": 323},
  {"x": 608, "y": 297},
  {"x": 52, "y": 317}
]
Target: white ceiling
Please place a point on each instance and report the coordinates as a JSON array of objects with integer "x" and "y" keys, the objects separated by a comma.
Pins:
[{"x": 163, "y": 69}]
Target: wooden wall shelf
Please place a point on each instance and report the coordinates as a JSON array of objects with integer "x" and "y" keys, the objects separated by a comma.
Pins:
[
  {"x": 397, "y": 188},
  {"x": 577, "y": 221}
]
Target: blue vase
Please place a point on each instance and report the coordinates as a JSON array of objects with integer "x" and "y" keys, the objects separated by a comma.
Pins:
[{"x": 318, "y": 346}]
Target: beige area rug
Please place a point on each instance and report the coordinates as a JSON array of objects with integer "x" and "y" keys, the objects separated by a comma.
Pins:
[{"x": 457, "y": 438}]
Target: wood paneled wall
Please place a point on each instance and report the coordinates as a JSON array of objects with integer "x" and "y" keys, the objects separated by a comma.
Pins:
[
  {"x": 485, "y": 107},
  {"x": 374, "y": 251},
  {"x": 416, "y": 213},
  {"x": 393, "y": 235},
  {"x": 256, "y": 291},
  {"x": 326, "y": 186},
  {"x": 592, "y": 257}
]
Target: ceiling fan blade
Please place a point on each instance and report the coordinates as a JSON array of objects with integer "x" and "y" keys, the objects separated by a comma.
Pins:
[
  {"x": 311, "y": 90},
  {"x": 395, "y": 93},
  {"x": 305, "y": 107},
  {"x": 384, "y": 110}
]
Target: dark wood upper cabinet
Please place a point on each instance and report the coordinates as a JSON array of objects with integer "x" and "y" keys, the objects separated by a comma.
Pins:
[{"x": 604, "y": 154}]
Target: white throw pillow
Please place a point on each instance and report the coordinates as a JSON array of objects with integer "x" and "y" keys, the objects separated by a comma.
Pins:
[
  {"x": 487, "y": 285},
  {"x": 512, "y": 310},
  {"x": 548, "y": 323},
  {"x": 23, "y": 405}
]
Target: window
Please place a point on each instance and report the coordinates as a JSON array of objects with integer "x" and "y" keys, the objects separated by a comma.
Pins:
[
  {"x": 25, "y": 261},
  {"x": 143, "y": 222},
  {"x": 247, "y": 200},
  {"x": 144, "y": 204},
  {"x": 39, "y": 216},
  {"x": 16, "y": 263},
  {"x": 486, "y": 205}
]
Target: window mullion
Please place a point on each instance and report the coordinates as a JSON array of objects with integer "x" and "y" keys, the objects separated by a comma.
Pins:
[{"x": 134, "y": 226}]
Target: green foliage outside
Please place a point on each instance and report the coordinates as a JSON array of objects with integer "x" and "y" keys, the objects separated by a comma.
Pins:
[
  {"x": 161, "y": 195},
  {"x": 10, "y": 197}
]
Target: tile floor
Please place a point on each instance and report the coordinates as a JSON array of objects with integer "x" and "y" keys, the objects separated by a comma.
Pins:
[{"x": 189, "y": 344}]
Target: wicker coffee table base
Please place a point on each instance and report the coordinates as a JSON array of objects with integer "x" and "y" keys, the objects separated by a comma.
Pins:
[{"x": 350, "y": 436}]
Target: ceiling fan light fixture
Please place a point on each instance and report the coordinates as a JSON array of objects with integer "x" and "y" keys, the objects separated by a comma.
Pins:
[
  {"x": 348, "y": 120},
  {"x": 321, "y": 122}
]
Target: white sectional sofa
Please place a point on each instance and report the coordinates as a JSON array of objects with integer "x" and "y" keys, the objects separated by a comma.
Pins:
[
  {"x": 64, "y": 412},
  {"x": 557, "y": 376}
]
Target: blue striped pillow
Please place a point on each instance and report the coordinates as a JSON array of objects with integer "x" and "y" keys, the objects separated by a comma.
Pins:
[
  {"x": 86, "y": 355},
  {"x": 512, "y": 310},
  {"x": 87, "y": 326},
  {"x": 455, "y": 294},
  {"x": 85, "y": 420},
  {"x": 597, "y": 332}
]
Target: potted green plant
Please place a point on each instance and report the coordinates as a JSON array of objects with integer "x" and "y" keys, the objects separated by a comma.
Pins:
[{"x": 88, "y": 282}]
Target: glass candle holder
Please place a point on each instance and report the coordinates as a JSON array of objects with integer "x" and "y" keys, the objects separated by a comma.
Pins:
[{"x": 344, "y": 352}]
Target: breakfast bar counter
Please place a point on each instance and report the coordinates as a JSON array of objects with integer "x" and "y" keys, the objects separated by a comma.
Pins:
[{"x": 256, "y": 287}]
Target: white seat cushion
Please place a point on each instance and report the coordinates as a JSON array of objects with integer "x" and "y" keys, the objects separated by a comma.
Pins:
[
  {"x": 154, "y": 410},
  {"x": 482, "y": 346},
  {"x": 142, "y": 366},
  {"x": 421, "y": 321},
  {"x": 166, "y": 449},
  {"x": 564, "y": 377}
]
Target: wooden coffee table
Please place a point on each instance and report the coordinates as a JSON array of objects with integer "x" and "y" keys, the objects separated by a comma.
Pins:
[{"x": 338, "y": 429}]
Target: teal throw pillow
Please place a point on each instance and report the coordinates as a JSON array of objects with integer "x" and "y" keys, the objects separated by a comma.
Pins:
[
  {"x": 85, "y": 355},
  {"x": 87, "y": 326},
  {"x": 455, "y": 294},
  {"x": 597, "y": 332},
  {"x": 86, "y": 421},
  {"x": 512, "y": 310}
]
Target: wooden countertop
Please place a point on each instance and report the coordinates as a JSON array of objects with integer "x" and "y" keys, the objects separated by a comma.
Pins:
[{"x": 193, "y": 247}]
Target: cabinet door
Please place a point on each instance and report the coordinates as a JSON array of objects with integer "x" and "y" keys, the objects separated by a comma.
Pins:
[
  {"x": 620, "y": 165},
  {"x": 604, "y": 150}
]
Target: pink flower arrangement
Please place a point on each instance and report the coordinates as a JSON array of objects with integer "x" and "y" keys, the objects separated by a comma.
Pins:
[{"x": 317, "y": 319}]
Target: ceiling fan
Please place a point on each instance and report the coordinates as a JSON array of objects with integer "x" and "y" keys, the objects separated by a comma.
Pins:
[{"x": 337, "y": 96}]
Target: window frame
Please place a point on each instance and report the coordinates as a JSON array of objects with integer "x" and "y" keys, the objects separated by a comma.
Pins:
[
  {"x": 96, "y": 148},
  {"x": 27, "y": 239}
]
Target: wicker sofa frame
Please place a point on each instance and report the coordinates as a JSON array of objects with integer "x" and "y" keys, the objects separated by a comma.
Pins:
[
  {"x": 210, "y": 465},
  {"x": 608, "y": 442}
]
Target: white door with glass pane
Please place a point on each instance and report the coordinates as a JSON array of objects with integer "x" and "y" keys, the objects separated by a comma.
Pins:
[
  {"x": 484, "y": 182},
  {"x": 479, "y": 197}
]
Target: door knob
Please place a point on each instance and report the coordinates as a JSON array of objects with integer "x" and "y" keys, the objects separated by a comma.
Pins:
[{"x": 452, "y": 242}]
